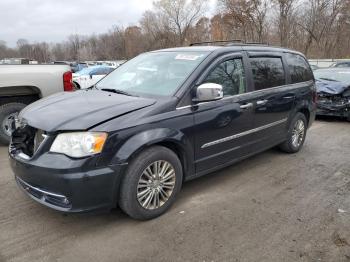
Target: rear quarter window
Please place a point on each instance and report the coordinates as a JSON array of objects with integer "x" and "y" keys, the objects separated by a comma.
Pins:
[
  {"x": 267, "y": 72},
  {"x": 299, "y": 69}
]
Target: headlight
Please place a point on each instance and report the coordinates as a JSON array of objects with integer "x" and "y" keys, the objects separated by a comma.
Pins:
[{"x": 79, "y": 144}]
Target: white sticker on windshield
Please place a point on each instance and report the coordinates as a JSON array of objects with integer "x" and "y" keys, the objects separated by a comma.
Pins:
[
  {"x": 187, "y": 57},
  {"x": 344, "y": 72}
]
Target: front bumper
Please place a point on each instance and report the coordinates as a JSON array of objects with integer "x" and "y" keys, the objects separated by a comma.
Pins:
[
  {"x": 65, "y": 184},
  {"x": 328, "y": 109}
]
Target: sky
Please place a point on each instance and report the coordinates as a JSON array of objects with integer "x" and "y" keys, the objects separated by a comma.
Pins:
[{"x": 54, "y": 20}]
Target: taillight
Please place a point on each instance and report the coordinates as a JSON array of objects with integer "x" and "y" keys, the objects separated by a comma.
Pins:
[{"x": 68, "y": 81}]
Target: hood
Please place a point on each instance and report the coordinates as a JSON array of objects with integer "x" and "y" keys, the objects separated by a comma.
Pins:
[
  {"x": 80, "y": 110},
  {"x": 330, "y": 87}
]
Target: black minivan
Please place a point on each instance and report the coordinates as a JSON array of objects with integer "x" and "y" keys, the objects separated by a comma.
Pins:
[{"x": 160, "y": 119}]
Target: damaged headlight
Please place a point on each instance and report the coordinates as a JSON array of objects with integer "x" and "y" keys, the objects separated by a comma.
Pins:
[{"x": 79, "y": 144}]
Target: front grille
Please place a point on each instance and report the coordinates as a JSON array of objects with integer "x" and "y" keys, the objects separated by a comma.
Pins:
[{"x": 26, "y": 140}]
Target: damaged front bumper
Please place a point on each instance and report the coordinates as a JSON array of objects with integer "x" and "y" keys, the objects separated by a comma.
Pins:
[{"x": 333, "y": 106}]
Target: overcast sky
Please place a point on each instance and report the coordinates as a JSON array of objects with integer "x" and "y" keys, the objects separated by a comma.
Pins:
[{"x": 54, "y": 20}]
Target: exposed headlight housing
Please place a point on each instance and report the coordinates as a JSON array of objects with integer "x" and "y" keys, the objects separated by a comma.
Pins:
[{"x": 79, "y": 144}]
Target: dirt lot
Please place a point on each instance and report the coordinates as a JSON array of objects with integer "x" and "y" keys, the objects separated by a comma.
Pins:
[{"x": 272, "y": 207}]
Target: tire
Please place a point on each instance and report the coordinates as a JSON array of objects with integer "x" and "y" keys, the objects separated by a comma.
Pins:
[
  {"x": 289, "y": 146},
  {"x": 8, "y": 111},
  {"x": 131, "y": 198}
]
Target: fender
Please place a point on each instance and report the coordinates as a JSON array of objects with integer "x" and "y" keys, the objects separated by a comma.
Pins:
[
  {"x": 302, "y": 103},
  {"x": 173, "y": 139}
]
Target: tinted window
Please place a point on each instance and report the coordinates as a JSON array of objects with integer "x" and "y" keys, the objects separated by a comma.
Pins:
[
  {"x": 298, "y": 68},
  {"x": 267, "y": 72},
  {"x": 229, "y": 74}
]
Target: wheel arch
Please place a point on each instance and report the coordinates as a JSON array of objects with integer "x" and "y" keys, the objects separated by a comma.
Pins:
[
  {"x": 305, "y": 108},
  {"x": 23, "y": 94},
  {"x": 306, "y": 112},
  {"x": 20, "y": 90},
  {"x": 174, "y": 140}
]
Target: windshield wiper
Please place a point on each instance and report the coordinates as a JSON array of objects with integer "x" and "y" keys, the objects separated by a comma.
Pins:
[
  {"x": 117, "y": 91},
  {"x": 328, "y": 79}
]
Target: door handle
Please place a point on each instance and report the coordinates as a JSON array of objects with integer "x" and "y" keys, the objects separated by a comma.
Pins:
[
  {"x": 246, "y": 106},
  {"x": 288, "y": 97},
  {"x": 261, "y": 102}
]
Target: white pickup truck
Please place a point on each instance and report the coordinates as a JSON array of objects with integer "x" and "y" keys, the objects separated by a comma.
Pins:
[{"x": 21, "y": 85}]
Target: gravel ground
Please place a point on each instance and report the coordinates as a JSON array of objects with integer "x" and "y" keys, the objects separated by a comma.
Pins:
[{"x": 271, "y": 207}]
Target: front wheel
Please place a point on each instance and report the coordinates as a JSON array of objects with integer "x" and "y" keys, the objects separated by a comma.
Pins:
[
  {"x": 151, "y": 183},
  {"x": 8, "y": 113},
  {"x": 296, "y": 134}
]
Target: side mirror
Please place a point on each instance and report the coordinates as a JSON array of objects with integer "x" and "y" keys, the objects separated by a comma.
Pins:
[
  {"x": 209, "y": 92},
  {"x": 90, "y": 76}
]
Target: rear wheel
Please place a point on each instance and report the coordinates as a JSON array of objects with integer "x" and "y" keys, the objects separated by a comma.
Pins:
[
  {"x": 151, "y": 183},
  {"x": 296, "y": 134},
  {"x": 8, "y": 113}
]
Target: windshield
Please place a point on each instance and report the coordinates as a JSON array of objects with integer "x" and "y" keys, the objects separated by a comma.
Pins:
[
  {"x": 341, "y": 75},
  {"x": 153, "y": 74}
]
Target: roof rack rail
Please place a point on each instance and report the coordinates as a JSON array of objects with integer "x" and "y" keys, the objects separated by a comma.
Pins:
[
  {"x": 228, "y": 43},
  {"x": 233, "y": 41},
  {"x": 256, "y": 43}
]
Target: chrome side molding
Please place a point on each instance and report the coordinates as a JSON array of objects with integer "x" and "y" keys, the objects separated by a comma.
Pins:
[{"x": 225, "y": 139}]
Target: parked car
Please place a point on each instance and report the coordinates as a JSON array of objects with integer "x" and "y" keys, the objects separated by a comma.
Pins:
[
  {"x": 21, "y": 85},
  {"x": 341, "y": 64},
  {"x": 76, "y": 67},
  {"x": 89, "y": 76},
  {"x": 314, "y": 67},
  {"x": 162, "y": 118},
  {"x": 333, "y": 89}
]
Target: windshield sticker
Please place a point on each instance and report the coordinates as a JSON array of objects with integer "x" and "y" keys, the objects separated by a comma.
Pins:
[
  {"x": 187, "y": 57},
  {"x": 344, "y": 72}
]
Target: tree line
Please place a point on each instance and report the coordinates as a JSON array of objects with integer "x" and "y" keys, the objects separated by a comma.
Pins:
[{"x": 318, "y": 28}]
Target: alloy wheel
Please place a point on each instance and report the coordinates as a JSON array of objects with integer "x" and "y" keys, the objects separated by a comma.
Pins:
[
  {"x": 298, "y": 133},
  {"x": 156, "y": 185}
]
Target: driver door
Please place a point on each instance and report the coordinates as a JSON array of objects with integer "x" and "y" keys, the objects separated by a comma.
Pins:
[{"x": 222, "y": 127}]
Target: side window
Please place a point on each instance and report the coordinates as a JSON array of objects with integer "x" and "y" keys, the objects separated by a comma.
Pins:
[
  {"x": 299, "y": 70},
  {"x": 229, "y": 74},
  {"x": 267, "y": 72}
]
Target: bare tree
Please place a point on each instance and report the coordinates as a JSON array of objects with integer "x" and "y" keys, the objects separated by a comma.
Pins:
[
  {"x": 285, "y": 11},
  {"x": 319, "y": 28},
  {"x": 320, "y": 21},
  {"x": 180, "y": 15},
  {"x": 247, "y": 18}
]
